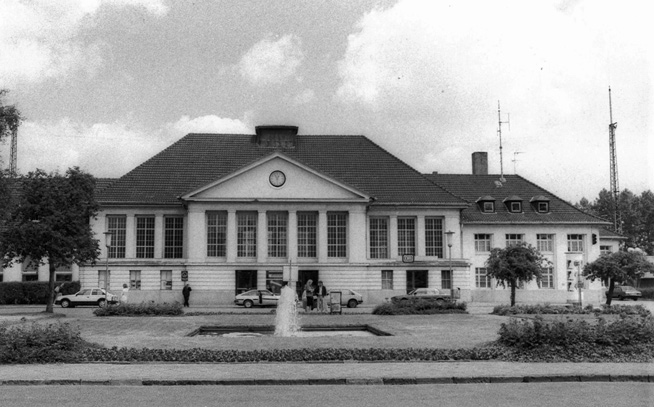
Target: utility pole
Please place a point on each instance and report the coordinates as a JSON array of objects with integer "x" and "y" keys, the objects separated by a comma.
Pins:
[
  {"x": 499, "y": 133},
  {"x": 615, "y": 189}
]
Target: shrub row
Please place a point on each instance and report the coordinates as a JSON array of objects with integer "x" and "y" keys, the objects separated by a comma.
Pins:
[
  {"x": 648, "y": 293},
  {"x": 628, "y": 330},
  {"x": 420, "y": 307},
  {"x": 614, "y": 309},
  {"x": 32, "y": 292},
  {"x": 141, "y": 309}
]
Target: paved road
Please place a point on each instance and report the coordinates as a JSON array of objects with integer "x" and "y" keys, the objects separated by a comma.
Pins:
[{"x": 465, "y": 395}]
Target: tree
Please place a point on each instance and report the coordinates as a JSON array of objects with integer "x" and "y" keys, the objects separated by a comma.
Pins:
[
  {"x": 516, "y": 264},
  {"x": 618, "y": 267},
  {"x": 10, "y": 117},
  {"x": 50, "y": 222}
]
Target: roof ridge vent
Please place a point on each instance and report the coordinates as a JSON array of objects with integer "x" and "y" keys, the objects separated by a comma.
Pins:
[{"x": 276, "y": 136}]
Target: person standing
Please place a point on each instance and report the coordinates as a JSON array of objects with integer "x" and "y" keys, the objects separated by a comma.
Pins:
[
  {"x": 321, "y": 294},
  {"x": 308, "y": 292},
  {"x": 57, "y": 291},
  {"x": 186, "y": 292},
  {"x": 123, "y": 295}
]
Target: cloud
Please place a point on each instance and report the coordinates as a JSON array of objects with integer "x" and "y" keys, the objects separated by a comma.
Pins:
[
  {"x": 272, "y": 62},
  {"x": 40, "y": 39},
  {"x": 304, "y": 97},
  {"x": 211, "y": 124}
]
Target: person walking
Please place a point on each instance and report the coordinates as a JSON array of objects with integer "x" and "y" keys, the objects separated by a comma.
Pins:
[
  {"x": 308, "y": 292},
  {"x": 123, "y": 295},
  {"x": 57, "y": 291},
  {"x": 186, "y": 292},
  {"x": 321, "y": 294}
]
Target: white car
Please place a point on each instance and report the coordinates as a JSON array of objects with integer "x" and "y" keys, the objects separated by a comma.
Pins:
[
  {"x": 87, "y": 296},
  {"x": 260, "y": 298},
  {"x": 350, "y": 298}
]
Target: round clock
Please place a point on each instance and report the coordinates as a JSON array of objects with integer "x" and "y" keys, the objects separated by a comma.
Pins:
[{"x": 277, "y": 178}]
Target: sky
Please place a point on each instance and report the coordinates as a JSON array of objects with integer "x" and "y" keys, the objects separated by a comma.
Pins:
[{"x": 107, "y": 84}]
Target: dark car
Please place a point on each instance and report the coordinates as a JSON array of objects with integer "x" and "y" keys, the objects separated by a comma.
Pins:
[
  {"x": 88, "y": 296},
  {"x": 626, "y": 291},
  {"x": 427, "y": 294}
]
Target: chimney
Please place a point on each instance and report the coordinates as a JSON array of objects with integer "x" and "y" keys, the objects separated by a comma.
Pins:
[
  {"x": 480, "y": 163},
  {"x": 276, "y": 136}
]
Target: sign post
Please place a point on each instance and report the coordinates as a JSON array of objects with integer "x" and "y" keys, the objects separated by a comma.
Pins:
[{"x": 335, "y": 302}]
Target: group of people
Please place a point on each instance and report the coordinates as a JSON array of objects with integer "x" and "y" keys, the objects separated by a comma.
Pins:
[{"x": 315, "y": 297}]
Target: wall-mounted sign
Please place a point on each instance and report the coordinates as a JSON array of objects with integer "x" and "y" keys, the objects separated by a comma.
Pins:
[
  {"x": 184, "y": 275},
  {"x": 407, "y": 258}
]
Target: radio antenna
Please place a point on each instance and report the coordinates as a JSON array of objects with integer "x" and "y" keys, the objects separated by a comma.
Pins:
[
  {"x": 499, "y": 133},
  {"x": 615, "y": 188}
]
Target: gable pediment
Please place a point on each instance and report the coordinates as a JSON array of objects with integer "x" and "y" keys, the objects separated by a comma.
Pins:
[{"x": 277, "y": 178}]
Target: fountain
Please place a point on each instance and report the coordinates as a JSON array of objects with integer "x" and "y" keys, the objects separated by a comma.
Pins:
[{"x": 286, "y": 319}]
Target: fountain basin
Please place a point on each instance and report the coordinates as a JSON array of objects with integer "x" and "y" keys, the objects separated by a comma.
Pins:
[{"x": 240, "y": 331}]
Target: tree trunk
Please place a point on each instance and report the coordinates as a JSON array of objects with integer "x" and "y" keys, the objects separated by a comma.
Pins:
[
  {"x": 513, "y": 287},
  {"x": 609, "y": 294},
  {"x": 51, "y": 286}
]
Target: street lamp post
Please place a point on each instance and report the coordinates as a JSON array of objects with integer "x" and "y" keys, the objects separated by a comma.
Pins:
[
  {"x": 107, "y": 243},
  {"x": 449, "y": 234}
]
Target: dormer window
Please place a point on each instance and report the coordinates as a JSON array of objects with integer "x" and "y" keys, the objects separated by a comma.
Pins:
[
  {"x": 541, "y": 204},
  {"x": 486, "y": 204},
  {"x": 513, "y": 204}
]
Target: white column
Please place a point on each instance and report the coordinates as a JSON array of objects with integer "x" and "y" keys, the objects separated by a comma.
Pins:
[
  {"x": 196, "y": 236},
  {"x": 292, "y": 236},
  {"x": 392, "y": 239},
  {"x": 420, "y": 238},
  {"x": 231, "y": 236},
  {"x": 130, "y": 237},
  {"x": 322, "y": 236},
  {"x": 357, "y": 236},
  {"x": 262, "y": 237},
  {"x": 158, "y": 236}
]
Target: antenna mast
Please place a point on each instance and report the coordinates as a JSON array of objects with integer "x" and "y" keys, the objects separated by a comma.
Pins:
[
  {"x": 615, "y": 189},
  {"x": 13, "y": 155},
  {"x": 499, "y": 133}
]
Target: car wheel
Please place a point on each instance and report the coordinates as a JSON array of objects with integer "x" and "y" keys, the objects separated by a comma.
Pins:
[
  {"x": 101, "y": 303},
  {"x": 621, "y": 298},
  {"x": 65, "y": 303},
  {"x": 352, "y": 304},
  {"x": 635, "y": 298},
  {"x": 248, "y": 304}
]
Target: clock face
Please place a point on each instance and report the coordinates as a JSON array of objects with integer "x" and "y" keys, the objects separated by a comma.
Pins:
[{"x": 277, "y": 178}]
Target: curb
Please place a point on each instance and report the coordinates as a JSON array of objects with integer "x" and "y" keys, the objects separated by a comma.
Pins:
[{"x": 388, "y": 381}]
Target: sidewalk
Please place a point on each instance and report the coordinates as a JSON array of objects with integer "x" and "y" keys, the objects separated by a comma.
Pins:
[{"x": 346, "y": 373}]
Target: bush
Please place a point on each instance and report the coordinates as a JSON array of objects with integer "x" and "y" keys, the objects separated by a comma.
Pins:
[
  {"x": 142, "y": 309},
  {"x": 420, "y": 307},
  {"x": 528, "y": 309},
  {"x": 648, "y": 293},
  {"x": 629, "y": 330},
  {"x": 35, "y": 343},
  {"x": 32, "y": 292}
]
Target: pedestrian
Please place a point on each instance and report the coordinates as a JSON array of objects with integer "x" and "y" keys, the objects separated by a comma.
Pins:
[
  {"x": 186, "y": 292},
  {"x": 57, "y": 291},
  {"x": 308, "y": 292},
  {"x": 321, "y": 294},
  {"x": 123, "y": 295}
]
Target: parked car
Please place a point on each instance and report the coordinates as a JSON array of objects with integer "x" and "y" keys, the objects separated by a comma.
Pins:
[
  {"x": 261, "y": 298},
  {"x": 87, "y": 296},
  {"x": 626, "y": 291},
  {"x": 428, "y": 294},
  {"x": 350, "y": 298}
]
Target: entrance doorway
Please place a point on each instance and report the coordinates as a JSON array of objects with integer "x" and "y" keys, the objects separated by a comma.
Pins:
[
  {"x": 416, "y": 279},
  {"x": 304, "y": 276},
  {"x": 245, "y": 280},
  {"x": 274, "y": 281}
]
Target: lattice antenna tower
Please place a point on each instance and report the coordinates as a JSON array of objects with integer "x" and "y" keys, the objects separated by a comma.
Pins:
[
  {"x": 499, "y": 133},
  {"x": 13, "y": 155},
  {"x": 615, "y": 188}
]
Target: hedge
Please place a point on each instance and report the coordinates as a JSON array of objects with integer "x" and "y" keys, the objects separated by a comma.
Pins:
[{"x": 32, "y": 292}]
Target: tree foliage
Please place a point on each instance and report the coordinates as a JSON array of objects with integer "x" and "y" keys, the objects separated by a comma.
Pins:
[
  {"x": 514, "y": 265},
  {"x": 10, "y": 117},
  {"x": 49, "y": 222},
  {"x": 617, "y": 267}
]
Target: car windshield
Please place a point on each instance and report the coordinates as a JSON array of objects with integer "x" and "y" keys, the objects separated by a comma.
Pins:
[
  {"x": 627, "y": 287},
  {"x": 250, "y": 293}
]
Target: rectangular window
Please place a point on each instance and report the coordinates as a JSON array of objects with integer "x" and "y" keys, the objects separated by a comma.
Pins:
[
  {"x": 378, "y": 238},
  {"x": 64, "y": 273},
  {"x": 446, "y": 279},
  {"x": 543, "y": 207},
  {"x": 104, "y": 276},
  {"x": 434, "y": 237},
  {"x": 173, "y": 237},
  {"x": 387, "y": 279},
  {"x": 216, "y": 234},
  {"x": 116, "y": 225},
  {"x": 406, "y": 236},
  {"x": 547, "y": 280},
  {"x": 606, "y": 249},
  {"x": 30, "y": 277},
  {"x": 135, "y": 279},
  {"x": 489, "y": 207},
  {"x": 307, "y": 231},
  {"x": 481, "y": 279},
  {"x": 246, "y": 234},
  {"x": 145, "y": 237},
  {"x": 544, "y": 242},
  {"x": 277, "y": 231},
  {"x": 166, "y": 279},
  {"x": 336, "y": 234},
  {"x": 483, "y": 242},
  {"x": 274, "y": 281},
  {"x": 516, "y": 207},
  {"x": 575, "y": 243},
  {"x": 513, "y": 239}
]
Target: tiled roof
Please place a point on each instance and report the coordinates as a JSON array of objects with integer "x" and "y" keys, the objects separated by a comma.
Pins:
[
  {"x": 472, "y": 187},
  {"x": 199, "y": 159},
  {"x": 609, "y": 234}
]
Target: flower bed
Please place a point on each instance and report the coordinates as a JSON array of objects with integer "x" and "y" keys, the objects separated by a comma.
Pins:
[{"x": 420, "y": 307}]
